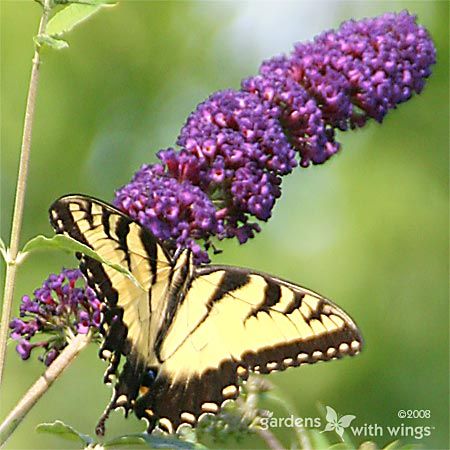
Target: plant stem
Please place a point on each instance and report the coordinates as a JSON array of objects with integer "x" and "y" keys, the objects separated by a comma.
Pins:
[
  {"x": 269, "y": 438},
  {"x": 42, "y": 384},
  {"x": 11, "y": 267},
  {"x": 302, "y": 435}
]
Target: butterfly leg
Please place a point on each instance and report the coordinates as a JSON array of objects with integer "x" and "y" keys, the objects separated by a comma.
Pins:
[{"x": 125, "y": 391}]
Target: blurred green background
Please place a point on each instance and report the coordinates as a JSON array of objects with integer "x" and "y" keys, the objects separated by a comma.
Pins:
[{"x": 369, "y": 229}]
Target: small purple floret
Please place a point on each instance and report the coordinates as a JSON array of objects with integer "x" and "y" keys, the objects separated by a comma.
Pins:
[{"x": 24, "y": 349}]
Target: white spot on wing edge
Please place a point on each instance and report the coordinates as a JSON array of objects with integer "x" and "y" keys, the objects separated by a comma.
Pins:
[
  {"x": 106, "y": 354},
  {"x": 344, "y": 347},
  {"x": 122, "y": 400},
  {"x": 188, "y": 417},
  {"x": 166, "y": 424},
  {"x": 242, "y": 371},
  {"x": 355, "y": 346},
  {"x": 210, "y": 407},
  {"x": 230, "y": 391}
]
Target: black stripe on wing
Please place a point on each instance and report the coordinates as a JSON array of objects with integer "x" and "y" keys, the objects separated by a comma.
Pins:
[
  {"x": 272, "y": 295},
  {"x": 63, "y": 222},
  {"x": 231, "y": 281}
]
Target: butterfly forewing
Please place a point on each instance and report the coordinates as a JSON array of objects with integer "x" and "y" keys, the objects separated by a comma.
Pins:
[{"x": 119, "y": 240}]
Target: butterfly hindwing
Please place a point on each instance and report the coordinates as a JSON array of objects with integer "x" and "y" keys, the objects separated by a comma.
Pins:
[{"x": 232, "y": 321}]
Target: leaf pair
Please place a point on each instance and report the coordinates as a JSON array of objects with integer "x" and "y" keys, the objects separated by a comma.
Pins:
[
  {"x": 65, "y": 20},
  {"x": 136, "y": 439}
]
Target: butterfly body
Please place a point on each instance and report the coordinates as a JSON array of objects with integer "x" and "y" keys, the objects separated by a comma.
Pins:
[{"x": 190, "y": 334}]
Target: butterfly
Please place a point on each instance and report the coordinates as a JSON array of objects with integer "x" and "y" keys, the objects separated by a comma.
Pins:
[{"x": 189, "y": 335}]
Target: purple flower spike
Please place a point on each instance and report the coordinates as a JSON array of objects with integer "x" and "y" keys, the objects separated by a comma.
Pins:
[
  {"x": 234, "y": 149},
  {"x": 236, "y": 145},
  {"x": 302, "y": 119},
  {"x": 59, "y": 309}
]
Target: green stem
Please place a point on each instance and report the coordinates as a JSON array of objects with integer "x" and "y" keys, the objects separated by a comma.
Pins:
[
  {"x": 302, "y": 435},
  {"x": 42, "y": 384},
  {"x": 12, "y": 262},
  {"x": 269, "y": 438}
]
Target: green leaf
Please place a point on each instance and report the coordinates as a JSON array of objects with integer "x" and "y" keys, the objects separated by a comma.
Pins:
[
  {"x": 369, "y": 445},
  {"x": 394, "y": 445},
  {"x": 150, "y": 441},
  {"x": 44, "y": 40},
  {"x": 66, "y": 243},
  {"x": 64, "y": 431},
  {"x": 72, "y": 15},
  {"x": 318, "y": 440},
  {"x": 134, "y": 440}
]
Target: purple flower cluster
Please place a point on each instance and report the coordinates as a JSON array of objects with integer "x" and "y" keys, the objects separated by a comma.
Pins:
[
  {"x": 232, "y": 129},
  {"x": 300, "y": 115},
  {"x": 236, "y": 146},
  {"x": 345, "y": 77},
  {"x": 175, "y": 212},
  {"x": 233, "y": 152},
  {"x": 241, "y": 150},
  {"x": 59, "y": 309}
]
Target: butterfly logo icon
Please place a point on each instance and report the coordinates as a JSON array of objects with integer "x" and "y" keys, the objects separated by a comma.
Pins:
[{"x": 337, "y": 424}]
